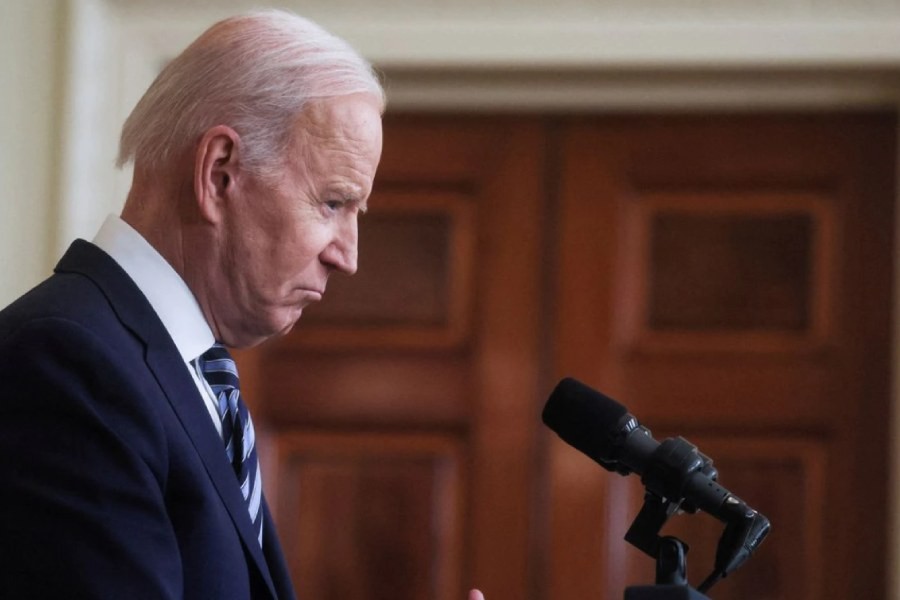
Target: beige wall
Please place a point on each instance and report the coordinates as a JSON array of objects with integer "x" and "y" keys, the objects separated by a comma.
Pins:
[{"x": 30, "y": 104}]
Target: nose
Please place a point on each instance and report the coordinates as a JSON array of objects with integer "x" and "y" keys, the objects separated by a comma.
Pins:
[{"x": 341, "y": 254}]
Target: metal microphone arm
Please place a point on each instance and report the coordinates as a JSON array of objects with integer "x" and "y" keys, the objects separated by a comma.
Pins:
[{"x": 670, "y": 464}]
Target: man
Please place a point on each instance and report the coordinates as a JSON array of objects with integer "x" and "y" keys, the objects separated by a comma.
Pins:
[{"x": 127, "y": 456}]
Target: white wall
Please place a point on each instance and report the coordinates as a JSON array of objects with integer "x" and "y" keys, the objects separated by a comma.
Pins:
[{"x": 31, "y": 42}]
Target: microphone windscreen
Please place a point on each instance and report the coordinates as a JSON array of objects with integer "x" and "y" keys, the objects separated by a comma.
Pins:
[{"x": 584, "y": 418}]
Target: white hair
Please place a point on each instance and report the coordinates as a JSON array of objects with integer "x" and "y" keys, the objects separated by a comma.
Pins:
[{"x": 254, "y": 73}]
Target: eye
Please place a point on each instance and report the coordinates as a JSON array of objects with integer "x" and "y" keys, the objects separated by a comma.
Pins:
[{"x": 333, "y": 204}]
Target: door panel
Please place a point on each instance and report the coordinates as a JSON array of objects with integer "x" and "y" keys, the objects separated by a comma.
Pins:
[
  {"x": 372, "y": 515},
  {"x": 399, "y": 420},
  {"x": 728, "y": 259}
]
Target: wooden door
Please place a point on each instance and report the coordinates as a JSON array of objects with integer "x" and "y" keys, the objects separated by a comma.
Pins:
[
  {"x": 726, "y": 278},
  {"x": 400, "y": 412}
]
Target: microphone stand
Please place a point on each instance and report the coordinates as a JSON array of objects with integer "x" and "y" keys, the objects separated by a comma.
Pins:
[
  {"x": 671, "y": 580},
  {"x": 670, "y": 554}
]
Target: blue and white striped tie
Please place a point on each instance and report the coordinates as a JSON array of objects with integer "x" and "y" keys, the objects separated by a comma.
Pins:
[{"x": 220, "y": 371}]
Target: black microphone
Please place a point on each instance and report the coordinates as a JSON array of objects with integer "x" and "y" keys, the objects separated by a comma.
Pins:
[{"x": 673, "y": 469}]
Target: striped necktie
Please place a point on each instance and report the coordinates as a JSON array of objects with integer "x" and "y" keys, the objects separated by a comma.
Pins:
[{"x": 220, "y": 372}]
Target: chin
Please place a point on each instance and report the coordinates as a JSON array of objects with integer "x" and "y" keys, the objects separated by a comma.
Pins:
[
  {"x": 286, "y": 330},
  {"x": 262, "y": 331},
  {"x": 288, "y": 323}
]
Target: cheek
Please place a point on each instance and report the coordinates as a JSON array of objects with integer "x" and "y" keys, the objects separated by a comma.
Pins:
[
  {"x": 251, "y": 258},
  {"x": 278, "y": 250},
  {"x": 306, "y": 241},
  {"x": 302, "y": 254}
]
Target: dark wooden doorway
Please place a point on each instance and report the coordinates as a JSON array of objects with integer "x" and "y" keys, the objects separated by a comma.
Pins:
[{"x": 727, "y": 277}]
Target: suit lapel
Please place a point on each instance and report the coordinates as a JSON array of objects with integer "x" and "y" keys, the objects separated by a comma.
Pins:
[
  {"x": 166, "y": 364},
  {"x": 182, "y": 394}
]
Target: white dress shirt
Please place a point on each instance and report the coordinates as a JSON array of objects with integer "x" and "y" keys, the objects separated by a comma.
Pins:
[{"x": 169, "y": 296}]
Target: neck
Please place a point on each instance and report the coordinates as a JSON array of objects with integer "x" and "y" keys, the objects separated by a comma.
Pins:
[
  {"x": 163, "y": 211},
  {"x": 152, "y": 210}
]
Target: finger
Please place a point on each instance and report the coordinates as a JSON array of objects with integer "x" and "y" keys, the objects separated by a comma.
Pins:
[{"x": 476, "y": 595}]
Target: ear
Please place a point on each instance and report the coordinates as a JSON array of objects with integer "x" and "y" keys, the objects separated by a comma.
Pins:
[{"x": 216, "y": 168}]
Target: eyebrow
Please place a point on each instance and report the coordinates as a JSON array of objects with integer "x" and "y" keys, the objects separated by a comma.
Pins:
[{"x": 352, "y": 198}]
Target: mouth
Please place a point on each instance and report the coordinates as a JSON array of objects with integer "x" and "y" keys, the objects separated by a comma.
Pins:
[
  {"x": 316, "y": 295},
  {"x": 303, "y": 296}
]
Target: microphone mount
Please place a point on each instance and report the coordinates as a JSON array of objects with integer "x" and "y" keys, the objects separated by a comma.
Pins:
[
  {"x": 669, "y": 464},
  {"x": 676, "y": 475}
]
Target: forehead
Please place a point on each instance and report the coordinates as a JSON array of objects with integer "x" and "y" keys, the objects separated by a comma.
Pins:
[
  {"x": 353, "y": 120},
  {"x": 337, "y": 141}
]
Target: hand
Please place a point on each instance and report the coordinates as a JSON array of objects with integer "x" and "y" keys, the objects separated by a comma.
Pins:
[{"x": 476, "y": 595}]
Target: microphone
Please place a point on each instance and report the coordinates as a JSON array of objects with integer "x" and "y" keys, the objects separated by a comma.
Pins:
[{"x": 673, "y": 470}]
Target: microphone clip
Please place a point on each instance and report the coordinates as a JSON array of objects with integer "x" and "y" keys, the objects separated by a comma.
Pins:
[{"x": 744, "y": 531}]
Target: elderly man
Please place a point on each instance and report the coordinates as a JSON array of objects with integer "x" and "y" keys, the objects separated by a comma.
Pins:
[{"x": 127, "y": 456}]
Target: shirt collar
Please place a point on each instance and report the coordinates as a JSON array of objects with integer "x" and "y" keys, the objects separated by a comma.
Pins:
[{"x": 166, "y": 291}]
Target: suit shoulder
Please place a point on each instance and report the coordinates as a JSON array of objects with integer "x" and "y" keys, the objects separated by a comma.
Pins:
[{"x": 63, "y": 297}]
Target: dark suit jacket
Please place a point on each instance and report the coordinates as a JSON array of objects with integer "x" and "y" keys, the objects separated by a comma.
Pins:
[{"x": 113, "y": 480}]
